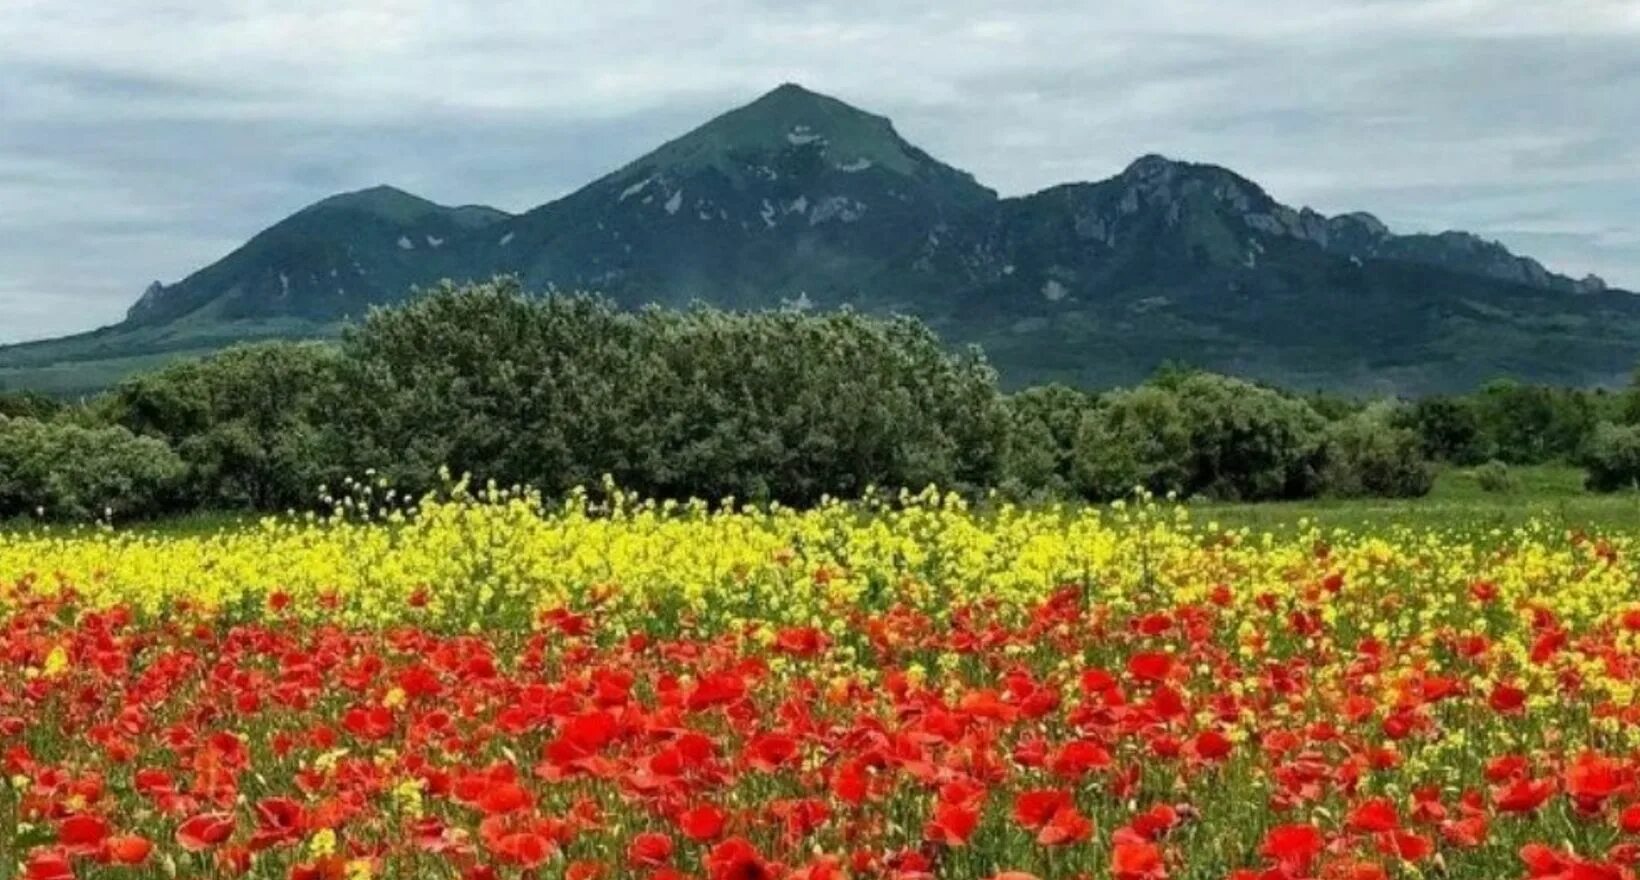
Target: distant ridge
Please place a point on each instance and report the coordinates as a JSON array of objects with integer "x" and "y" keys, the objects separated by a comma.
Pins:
[{"x": 798, "y": 197}]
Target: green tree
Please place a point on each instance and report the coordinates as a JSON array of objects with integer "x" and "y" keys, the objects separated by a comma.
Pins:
[
  {"x": 1137, "y": 438},
  {"x": 249, "y": 421},
  {"x": 28, "y": 404},
  {"x": 69, "y": 471},
  {"x": 1612, "y": 458},
  {"x": 1531, "y": 424},
  {"x": 1248, "y": 442},
  {"x": 556, "y": 391},
  {"x": 1043, "y": 424},
  {"x": 1367, "y": 454},
  {"x": 1448, "y": 428}
]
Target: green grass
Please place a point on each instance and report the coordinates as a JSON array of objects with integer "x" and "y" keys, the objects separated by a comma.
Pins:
[
  {"x": 1551, "y": 494},
  {"x": 184, "y": 525}
]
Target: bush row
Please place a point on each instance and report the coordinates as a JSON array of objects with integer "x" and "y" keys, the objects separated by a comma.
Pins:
[{"x": 558, "y": 391}]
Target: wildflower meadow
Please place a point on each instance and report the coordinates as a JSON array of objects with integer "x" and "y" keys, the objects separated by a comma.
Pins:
[{"x": 488, "y": 685}]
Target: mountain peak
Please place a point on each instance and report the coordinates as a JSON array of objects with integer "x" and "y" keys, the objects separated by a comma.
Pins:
[
  {"x": 397, "y": 206},
  {"x": 791, "y": 91},
  {"x": 1149, "y": 164},
  {"x": 382, "y": 200},
  {"x": 1155, "y": 167},
  {"x": 790, "y": 120}
]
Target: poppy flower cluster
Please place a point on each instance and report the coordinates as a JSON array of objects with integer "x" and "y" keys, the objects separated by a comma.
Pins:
[{"x": 1308, "y": 707}]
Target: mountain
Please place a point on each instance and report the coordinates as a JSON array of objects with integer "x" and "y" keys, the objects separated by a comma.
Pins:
[
  {"x": 798, "y": 198},
  {"x": 1097, "y": 283},
  {"x": 793, "y": 194},
  {"x": 329, "y": 260}
]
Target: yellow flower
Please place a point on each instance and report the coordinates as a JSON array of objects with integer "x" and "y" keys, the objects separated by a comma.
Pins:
[
  {"x": 323, "y": 843},
  {"x": 56, "y": 662}
]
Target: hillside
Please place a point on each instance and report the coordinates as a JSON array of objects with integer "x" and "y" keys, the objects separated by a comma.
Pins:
[{"x": 798, "y": 198}]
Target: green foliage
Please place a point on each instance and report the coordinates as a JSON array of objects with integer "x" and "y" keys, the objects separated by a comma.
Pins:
[
  {"x": 250, "y": 421},
  {"x": 1136, "y": 439},
  {"x": 1199, "y": 434},
  {"x": 1626, "y": 408},
  {"x": 484, "y": 381},
  {"x": 1448, "y": 428},
  {"x": 63, "y": 470},
  {"x": 28, "y": 405},
  {"x": 1494, "y": 477},
  {"x": 1333, "y": 407},
  {"x": 1612, "y": 458},
  {"x": 1530, "y": 424},
  {"x": 1366, "y": 454},
  {"x": 557, "y": 391},
  {"x": 1043, "y": 426},
  {"x": 1248, "y": 442}
]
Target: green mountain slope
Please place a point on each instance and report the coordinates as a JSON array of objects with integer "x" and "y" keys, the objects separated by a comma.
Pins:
[
  {"x": 794, "y": 195},
  {"x": 800, "y": 198}
]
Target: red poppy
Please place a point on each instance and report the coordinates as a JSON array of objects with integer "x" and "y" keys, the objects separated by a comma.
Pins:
[
  {"x": 278, "y": 821},
  {"x": 1294, "y": 846},
  {"x": 1406, "y": 846},
  {"x": 48, "y": 865},
  {"x": 526, "y": 849},
  {"x": 1507, "y": 699},
  {"x": 952, "y": 823},
  {"x": 1067, "y": 826},
  {"x": 1078, "y": 758},
  {"x": 1522, "y": 795},
  {"x": 82, "y": 834},
  {"x": 1374, "y": 815},
  {"x": 128, "y": 849},
  {"x": 702, "y": 824},
  {"x": 1592, "y": 778},
  {"x": 1541, "y": 861},
  {"x": 1155, "y": 822},
  {"x": 1465, "y": 833},
  {"x": 1137, "y": 860},
  {"x": 1033, "y": 809},
  {"x": 1210, "y": 745},
  {"x": 735, "y": 859},
  {"x": 501, "y": 798},
  {"x": 205, "y": 831},
  {"x": 1150, "y": 666},
  {"x": 649, "y": 850}
]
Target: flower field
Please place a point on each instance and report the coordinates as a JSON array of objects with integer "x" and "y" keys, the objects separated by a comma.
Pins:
[{"x": 491, "y": 687}]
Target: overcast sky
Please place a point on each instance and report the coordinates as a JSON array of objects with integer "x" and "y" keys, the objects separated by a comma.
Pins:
[{"x": 143, "y": 139}]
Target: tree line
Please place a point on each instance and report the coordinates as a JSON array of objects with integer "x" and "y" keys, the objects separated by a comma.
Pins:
[{"x": 559, "y": 391}]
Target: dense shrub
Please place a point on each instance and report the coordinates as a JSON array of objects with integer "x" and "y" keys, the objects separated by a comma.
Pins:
[
  {"x": 1040, "y": 450},
  {"x": 1135, "y": 439},
  {"x": 1449, "y": 429},
  {"x": 1248, "y": 442},
  {"x": 1494, "y": 477},
  {"x": 557, "y": 391},
  {"x": 28, "y": 405},
  {"x": 69, "y": 471},
  {"x": 1612, "y": 458},
  {"x": 250, "y": 421},
  {"x": 1199, "y": 435},
  {"x": 1367, "y": 454},
  {"x": 1531, "y": 424}
]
